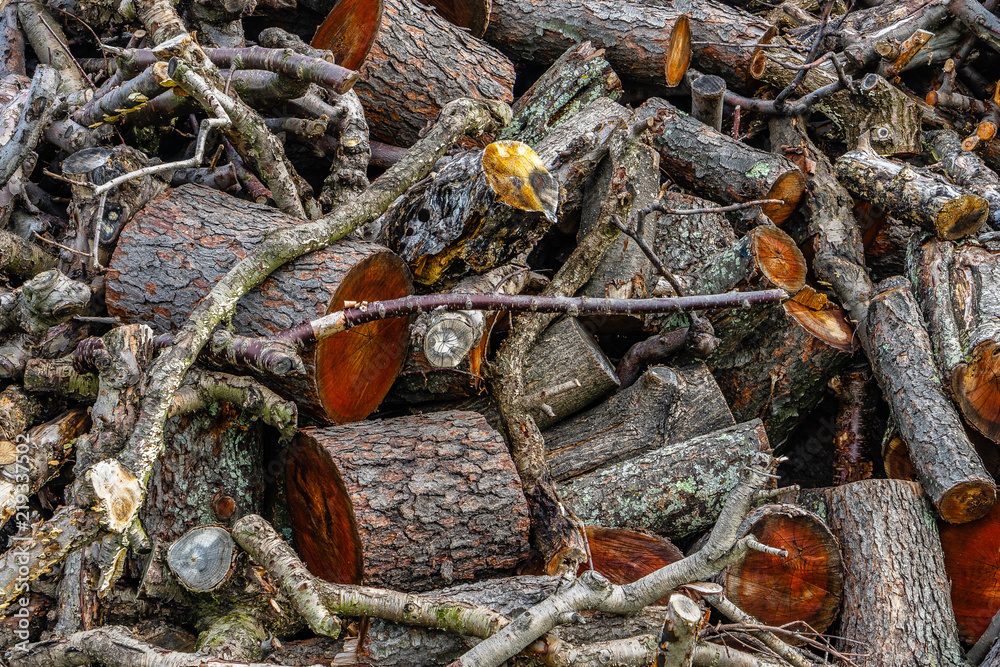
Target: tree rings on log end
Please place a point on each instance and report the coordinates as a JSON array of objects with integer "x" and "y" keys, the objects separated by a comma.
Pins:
[
  {"x": 967, "y": 501},
  {"x": 806, "y": 586},
  {"x": 356, "y": 368},
  {"x": 349, "y": 31},
  {"x": 976, "y": 387},
  {"x": 410, "y": 503},
  {"x": 779, "y": 259},
  {"x": 830, "y": 325},
  {"x": 473, "y": 15},
  {"x": 326, "y": 533},
  {"x": 961, "y": 217},
  {"x": 788, "y": 188},
  {"x": 678, "y": 51},
  {"x": 896, "y": 460},
  {"x": 970, "y": 558}
]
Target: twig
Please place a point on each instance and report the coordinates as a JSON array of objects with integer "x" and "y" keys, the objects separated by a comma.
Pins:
[
  {"x": 787, "y": 652},
  {"x": 342, "y": 320}
]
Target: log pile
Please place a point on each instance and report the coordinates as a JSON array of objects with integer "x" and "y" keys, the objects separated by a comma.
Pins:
[{"x": 574, "y": 332}]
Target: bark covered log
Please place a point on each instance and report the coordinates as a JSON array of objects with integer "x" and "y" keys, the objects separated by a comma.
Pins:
[
  {"x": 902, "y": 358},
  {"x": 665, "y": 405},
  {"x": 675, "y": 490},
  {"x": 542, "y": 31},
  {"x": 896, "y": 602},
  {"x": 565, "y": 353},
  {"x": 407, "y": 503},
  {"x": 718, "y": 167},
  {"x": 347, "y": 375},
  {"x": 913, "y": 193},
  {"x": 957, "y": 287},
  {"x": 780, "y": 369},
  {"x": 966, "y": 169},
  {"x": 420, "y": 62}
]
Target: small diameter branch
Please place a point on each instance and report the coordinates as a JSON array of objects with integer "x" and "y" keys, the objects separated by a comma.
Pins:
[
  {"x": 38, "y": 105},
  {"x": 342, "y": 320},
  {"x": 279, "y": 61},
  {"x": 769, "y": 639},
  {"x": 320, "y": 602},
  {"x": 108, "y": 108},
  {"x": 593, "y": 591},
  {"x": 21, "y": 258},
  {"x": 202, "y": 389},
  {"x": 112, "y": 646},
  {"x": 978, "y": 652}
]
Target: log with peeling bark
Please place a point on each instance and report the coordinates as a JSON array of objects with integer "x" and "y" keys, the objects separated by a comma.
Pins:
[
  {"x": 970, "y": 560},
  {"x": 718, "y": 167},
  {"x": 665, "y": 405},
  {"x": 436, "y": 492},
  {"x": 897, "y": 610},
  {"x": 805, "y": 585},
  {"x": 851, "y": 441},
  {"x": 956, "y": 287},
  {"x": 200, "y": 233},
  {"x": 479, "y": 211},
  {"x": 416, "y": 64},
  {"x": 541, "y": 31},
  {"x": 780, "y": 369},
  {"x": 675, "y": 490},
  {"x": 900, "y": 351},
  {"x": 575, "y": 79},
  {"x": 913, "y": 193}
]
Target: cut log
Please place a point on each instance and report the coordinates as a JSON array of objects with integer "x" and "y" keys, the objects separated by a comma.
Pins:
[
  {"x": 913, "y": 193},
  {"x": 719, "y": 167},
  {"x": 407, "y": 503},
  {"x": 418, "y": 63},
  {"x": 970, "y": 559},
  {"x": 900, "y": 351},
  {"x": 480, "y": 210},
  {"x": 447, "y": 354},
  {"x": 675, "y": 491},
  {"x": 350, "y": 30},
  {"x": 664, "y": 406},
  {"x": 805, "y": 586},
  {"x": 183, "y": 242},
  {"x": 539, "y": 32},
  {"x": 958, "y": 289},
  {"x": 966, "y": 169},
  {"x": 565, "y": 353},
  {"x": 896, "y": 603},
  {"x": 779, "y": 370}
]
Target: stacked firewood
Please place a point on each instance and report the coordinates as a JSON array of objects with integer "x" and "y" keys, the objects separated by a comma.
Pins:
[{"x": 575, "y": 332}]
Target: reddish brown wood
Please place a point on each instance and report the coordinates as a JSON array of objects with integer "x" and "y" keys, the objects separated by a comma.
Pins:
[
  {"x": 806, "y": 586},
  {"x": 420, "y": 62},
  {"x": 408, "y": 503},
  {"x": 182, "y": 243},
  {"x": 972, "y": 560},
  {"x": 349, "y": 30}
]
